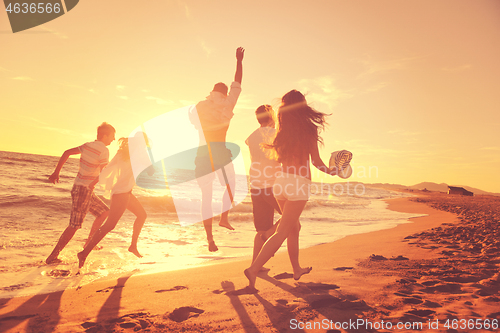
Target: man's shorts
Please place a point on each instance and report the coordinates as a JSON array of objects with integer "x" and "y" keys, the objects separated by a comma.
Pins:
[
  {"x": 84, "y": 200},
  {"x": 219, "y": 160},
  {"x": 263, "y": 204}
]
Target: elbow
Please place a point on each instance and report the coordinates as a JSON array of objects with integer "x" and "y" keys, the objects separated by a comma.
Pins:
[{"x": 316, "y": 163}]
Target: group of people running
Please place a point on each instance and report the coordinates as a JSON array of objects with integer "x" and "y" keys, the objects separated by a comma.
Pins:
[{"x": 280, "y": 175}]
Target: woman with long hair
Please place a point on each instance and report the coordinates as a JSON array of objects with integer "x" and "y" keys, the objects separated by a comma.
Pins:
[
  {"x": 296, "y": 143},
  {"x": 118, "y": 177}
]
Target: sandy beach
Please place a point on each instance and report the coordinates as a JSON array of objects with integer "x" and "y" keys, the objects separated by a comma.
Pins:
[{"x": 441, "y": 270}]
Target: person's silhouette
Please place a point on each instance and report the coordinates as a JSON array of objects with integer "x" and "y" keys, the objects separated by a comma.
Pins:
[{"x": 212, "y": 157}]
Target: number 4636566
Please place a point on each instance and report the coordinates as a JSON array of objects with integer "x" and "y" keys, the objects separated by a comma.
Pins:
[{"x": 33, "y": 8}]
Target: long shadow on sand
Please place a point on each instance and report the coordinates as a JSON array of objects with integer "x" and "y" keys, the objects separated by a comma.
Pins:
[
  {"x": 313, "y": 299},
  {"x": 111, "y": 307},
  {"x": 246, "y": 322},
  {"x": 41, "y": 308}
]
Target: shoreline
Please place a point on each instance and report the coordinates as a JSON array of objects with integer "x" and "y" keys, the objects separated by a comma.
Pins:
[
  {"x": 342, "y": 285},
  {"x": 162, "y": 251}
]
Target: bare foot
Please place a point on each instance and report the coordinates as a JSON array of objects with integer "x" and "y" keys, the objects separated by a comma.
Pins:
[
  {"x": 212, "y": 247},
  {"x": 307, "y": 270},
  {"x": 81, "y": 259},
  {"x": 52, "y": 260},
  {"x": 251, "y": 278},
  {"x": 225, "y": 223},
  {"x": 134, "y": 251}
]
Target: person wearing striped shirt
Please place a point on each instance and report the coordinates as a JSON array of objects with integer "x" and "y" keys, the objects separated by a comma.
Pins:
[{"x": 94, "y": 156}]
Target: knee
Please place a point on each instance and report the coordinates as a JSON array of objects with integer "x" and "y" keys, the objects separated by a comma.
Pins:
[
  {"x": 295, "y": 229},
  {"x": 260, "y": 234}
]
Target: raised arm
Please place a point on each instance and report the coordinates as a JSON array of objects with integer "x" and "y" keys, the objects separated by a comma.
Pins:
[
  {"x": 54, "y": 177},
  {"x": 240, "y": 52}
]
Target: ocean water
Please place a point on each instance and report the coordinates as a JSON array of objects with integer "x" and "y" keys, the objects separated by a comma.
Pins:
[{"x": 34, "y": 213}]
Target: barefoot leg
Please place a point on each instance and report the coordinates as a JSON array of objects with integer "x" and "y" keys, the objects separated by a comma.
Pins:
[
  {"x": 207, "y": 224},
  {"x": 228, "y": 197},
  {"x": 96, "y": 225},
  {"x": 251, "y": 278},
  {"x": 138, "y": 210},
  {"x": 224, "y": 221},
  {"x": 119, "y": 203},
  {"x": 66, "y": 236},
  {"x": 81, "y": 259}
]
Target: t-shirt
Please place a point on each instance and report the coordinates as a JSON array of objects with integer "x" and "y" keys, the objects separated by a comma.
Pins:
[
  {"x": 93, "y": 155},
  {"x": 215, "y": 113},
  {"x": 264, "y": 168},
  {"x": 117, "y": 176}
]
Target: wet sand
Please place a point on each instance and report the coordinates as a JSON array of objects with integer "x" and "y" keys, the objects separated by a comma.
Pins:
[{"x": 441, "y": 267}]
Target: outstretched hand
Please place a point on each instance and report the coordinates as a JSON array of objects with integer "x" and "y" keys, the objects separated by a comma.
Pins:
[
  {"x": 240, "y": 52},
  {"x": 54, "y": 178}
]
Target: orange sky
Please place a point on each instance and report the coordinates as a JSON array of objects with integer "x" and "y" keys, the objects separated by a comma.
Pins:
[{"x": 413, "y": 86}]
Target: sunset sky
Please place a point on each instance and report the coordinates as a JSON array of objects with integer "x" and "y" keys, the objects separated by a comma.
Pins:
[{"x": 413, "y": 86}]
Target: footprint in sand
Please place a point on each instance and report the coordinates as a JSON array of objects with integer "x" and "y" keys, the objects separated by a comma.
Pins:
[
  {"x": 136, "y": 321},
  {"x": 376, "y": 257},
  {"x": 495, "y": 315},
  {"x": 342, "y": 268},
  {"x": 463, "y": 278},
  {"x": 57, "y": 273},
  {"x": 106, "y": 290},
  {"x": 171, "y": 289},
  {"x": 450, "y": 288},
  {"x": 136, "y": 324},
  {"x": 421, "y": 313},
  {"x": 430, "y": 283},
  {"x": 412, "y": 300},
  {"x": 430, "y": 304},
  {"x": 184, "y": 313},
  {"x": 17, "y": 286},
  {"x": 399, "y": 258},
  {"x": 492, "y": 299}
]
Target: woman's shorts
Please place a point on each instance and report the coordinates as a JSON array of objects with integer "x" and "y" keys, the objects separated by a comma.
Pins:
[{"x": 289, "y": 186}]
